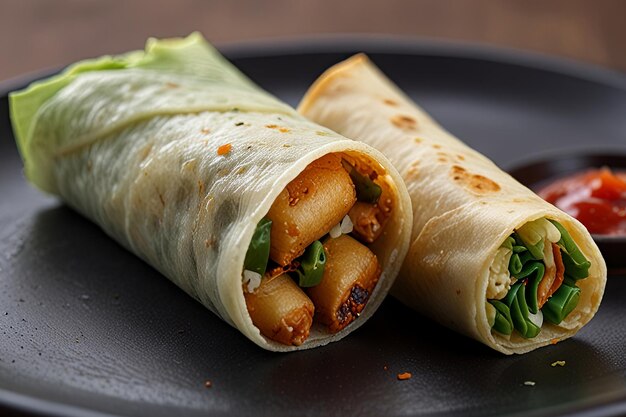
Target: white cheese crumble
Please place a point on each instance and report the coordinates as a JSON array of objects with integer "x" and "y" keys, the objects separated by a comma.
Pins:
[
  {"x": 499, "y": 277},
  {"x": 251, "y": 279},
  {"x": 344, "y": 227}
]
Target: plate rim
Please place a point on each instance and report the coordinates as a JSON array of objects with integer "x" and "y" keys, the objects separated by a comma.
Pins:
[{"x": 267, "y": 47}]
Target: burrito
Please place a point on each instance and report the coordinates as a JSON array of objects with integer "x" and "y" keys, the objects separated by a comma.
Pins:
[
  {"x": 228, "y": 192},
  {"x": 488, "y": 257}
]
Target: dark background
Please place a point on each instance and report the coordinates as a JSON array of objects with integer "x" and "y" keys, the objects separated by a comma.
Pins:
[{"x": 36, "y": 34}]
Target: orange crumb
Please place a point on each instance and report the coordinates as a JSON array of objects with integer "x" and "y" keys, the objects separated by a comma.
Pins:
[
  {"x": 554, "y": 341},
  {"x": 283, "y": 129},
  {"x": 224, "y": 149},
  {"x": 404, "y": 376}
]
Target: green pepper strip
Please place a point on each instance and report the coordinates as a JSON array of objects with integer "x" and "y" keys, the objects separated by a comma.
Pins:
[
  {"x": 562, "y": 302},
  {"x": 516, "y": 300},
  {"x": 576, "y": 265},
  {"x": 312, "y": 263},
  {"x": 367, "y": 190},
  {"x": 503, "y": 322},
  {"x": 518, "y": 260},
  {"x": 534, "y": 271},
  {"x": 515, "y": 265},
  {"x": 259, "y": 250}
]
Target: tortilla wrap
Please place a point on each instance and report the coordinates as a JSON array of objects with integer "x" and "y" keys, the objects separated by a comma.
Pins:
[
  {"x": 177, "y": 155},
  {"x": 464, "y": 206}
]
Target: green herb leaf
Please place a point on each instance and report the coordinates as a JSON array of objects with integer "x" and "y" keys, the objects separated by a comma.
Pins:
[
  {"x": 259, "y": 250},
  {"x": 312, "y": 263}
]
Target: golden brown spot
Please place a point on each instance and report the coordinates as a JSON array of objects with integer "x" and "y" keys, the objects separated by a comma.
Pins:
[
  {"x": 436, "y": 146},
  {"x": 390, "y": 102},
  {"x": 205, "y": 130},
  {"x": 419, "y": 140},
  {"x": 279, "y": 128},
  {"x": 286, "y": 145},
  {"x": 200, "y": 187},
  {"x": 404, "y": 122},
  {"x": 442, "y": 160},
  {"x": 461, "y": 157},
  {"x": 171, "y": 85},
  {"x": 476, "y": 183},
  {"x": 242, "y": 170}
]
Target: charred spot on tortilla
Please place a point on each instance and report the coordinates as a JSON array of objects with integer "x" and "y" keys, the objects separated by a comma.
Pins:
[
  {"x": 476, "y": 183},
  {"x": 404, "y": 122}
]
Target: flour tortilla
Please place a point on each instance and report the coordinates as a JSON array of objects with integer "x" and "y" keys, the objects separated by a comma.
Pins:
[
  {"x": 464, "y": 206},
  {"x": 131, "y": 142}
]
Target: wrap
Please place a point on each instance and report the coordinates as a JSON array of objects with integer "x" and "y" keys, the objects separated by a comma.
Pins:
[
  {"x": 464, "y": 207},
  {"x": 178, "y": 156}
]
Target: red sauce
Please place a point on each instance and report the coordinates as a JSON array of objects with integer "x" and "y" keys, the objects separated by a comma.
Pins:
[{"x": 596, "y": 197}]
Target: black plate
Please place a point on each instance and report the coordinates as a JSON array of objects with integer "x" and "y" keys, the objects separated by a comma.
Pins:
[{"x": 89, "y": 329}]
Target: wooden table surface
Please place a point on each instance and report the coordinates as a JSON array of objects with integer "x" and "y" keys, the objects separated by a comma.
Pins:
[{"x": 36, "y": 34}]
